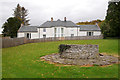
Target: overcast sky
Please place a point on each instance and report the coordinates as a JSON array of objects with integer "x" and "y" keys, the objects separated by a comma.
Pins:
[{"x": 42, "y": 10}]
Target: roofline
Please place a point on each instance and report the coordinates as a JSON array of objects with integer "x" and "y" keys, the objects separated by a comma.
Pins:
[
  {"x": 57, "y": 26},
  {"x": 19, "y": 28},
  {"x": 90, "y": 30},
  {"x": 98, "y": 26}
]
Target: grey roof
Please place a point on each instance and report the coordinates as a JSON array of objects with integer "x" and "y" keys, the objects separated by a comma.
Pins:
[
  {"x": 48, "y": 24},
  {"x": 28, "y": 29},
  {"x": 58, "y": 23},
  {"x": 89, "y": 28}
]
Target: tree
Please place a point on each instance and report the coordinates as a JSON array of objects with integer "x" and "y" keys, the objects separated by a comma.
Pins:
[
  {"x": 93, "y": 22},
  {"x": 111, "y": 26},
  {"x": 21, "y": 13},
  {"x": 17, "y": 12},
  {"x": 113, "y": 18},
  {"x": 105, "y": 29},
  {"x": 24, "y": 14},
  {"x": 11, "y": 27}
]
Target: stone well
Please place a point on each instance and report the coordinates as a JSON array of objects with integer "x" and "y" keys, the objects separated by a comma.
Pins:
[
  {"x": 74, "y": 54},
  {"x": 79, "y": 51}
]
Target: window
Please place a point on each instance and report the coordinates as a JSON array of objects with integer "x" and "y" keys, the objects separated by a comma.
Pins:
[
  {"x": 44, "y": 35},
  {"x": 61, "y": 35},
  {"x": 30, "y": 35},
  {"x": 55, "y": 30},
  {"x": 44, "y": 29},
  {"x": 55, "y": 35},
  {"x": 72, "y": 35},
  {"x": 79, "y": 29},
  {"x": 62, "y": 32},
  {"x": 89, "y": 33}
]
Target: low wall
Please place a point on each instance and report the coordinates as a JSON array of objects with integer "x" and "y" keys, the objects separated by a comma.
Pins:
[
  {"x": 11, "y": 42},
  {"x": 79, "y": 51}
]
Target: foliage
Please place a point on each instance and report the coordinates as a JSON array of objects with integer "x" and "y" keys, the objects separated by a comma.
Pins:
[
  {"x": 21, "y": 13},
  {"x": 24, "y": 61},
  {"x": 11, "y": 27},
  {"x": 93, "y": 22},
  {"x": 105, "y": 29},
  {"x": 17, "y": 12},
  {"x": 111, "y": 26}
]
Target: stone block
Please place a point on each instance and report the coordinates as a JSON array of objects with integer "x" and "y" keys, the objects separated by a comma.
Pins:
[{"x": 71, "y": 51}]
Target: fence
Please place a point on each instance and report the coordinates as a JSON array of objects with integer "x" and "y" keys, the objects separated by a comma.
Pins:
[{"x": 11, "y": 42}]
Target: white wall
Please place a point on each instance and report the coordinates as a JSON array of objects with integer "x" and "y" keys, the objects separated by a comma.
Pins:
[
  {"x": 96, "y": 33},
  {"x": 34, "y": 35},
  {"x": 71, "y": 30},
  {"x": 51, "y": 33},
  {"x": 82, "y": 33},
  {"x": 19, "y": 34}
]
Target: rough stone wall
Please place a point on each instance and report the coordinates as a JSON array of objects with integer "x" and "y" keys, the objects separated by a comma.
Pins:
[{"x": 80, "y": 52}]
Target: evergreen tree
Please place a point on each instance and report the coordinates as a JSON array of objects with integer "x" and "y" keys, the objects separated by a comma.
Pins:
[
  {"x": 11, "y": 27},
  {"x": 21, "y": 13},
  {"x": 24, "y": 14},
  {"x": 111, "y": 26},
  {"x": 113, "y": 18},
  {"x": 17, "y": 12}
]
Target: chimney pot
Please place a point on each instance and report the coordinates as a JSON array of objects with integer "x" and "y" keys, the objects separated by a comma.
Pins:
[
  {"x": 21, "y": 24},
  {"x": 51, "y": 19},
  {"x": 64, "y": 18}
]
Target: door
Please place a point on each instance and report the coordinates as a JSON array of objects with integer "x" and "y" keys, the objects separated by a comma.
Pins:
[
  {"x": 28, "y": 35},
  {"x": 89, "y": 33}
]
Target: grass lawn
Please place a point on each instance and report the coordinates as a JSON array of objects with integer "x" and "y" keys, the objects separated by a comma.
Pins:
[{"x": 24, "y": 61}]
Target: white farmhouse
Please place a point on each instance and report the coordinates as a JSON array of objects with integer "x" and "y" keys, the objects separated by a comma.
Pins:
[{"x": 58, "y": 29}]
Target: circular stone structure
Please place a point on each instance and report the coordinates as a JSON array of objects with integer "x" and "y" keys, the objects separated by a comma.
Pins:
[{"x": 73, "y": 54}]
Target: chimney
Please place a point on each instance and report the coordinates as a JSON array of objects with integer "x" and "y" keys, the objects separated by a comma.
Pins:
[
  {"x": 51, "y": 19},
  {"x": 96, "y": 23},
  {"x": 21, "y": 24},
  {"x": 64, "y": 18}
]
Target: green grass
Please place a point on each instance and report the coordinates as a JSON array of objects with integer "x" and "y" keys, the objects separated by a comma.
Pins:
[{"x": 24, "y": 61}]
